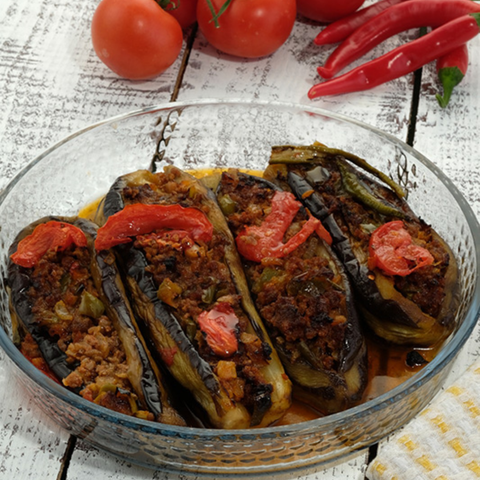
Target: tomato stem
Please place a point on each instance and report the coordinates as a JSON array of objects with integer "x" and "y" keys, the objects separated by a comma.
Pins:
[
  {"x": 168, "y": 3},
  {"x": 216, "y": 15}
]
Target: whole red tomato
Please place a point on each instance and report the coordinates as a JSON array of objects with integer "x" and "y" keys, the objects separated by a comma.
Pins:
[
  {"x": 136, "y": 39},
  {"x": 247, "y": 28},
  {"x": 185, "y": 11},
  {"x": 327, "y": 11}
]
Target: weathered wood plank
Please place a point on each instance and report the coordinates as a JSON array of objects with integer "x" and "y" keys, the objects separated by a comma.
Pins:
[
  {"x": 53, "y": 84},
  {"x": 31, "y": 444},
  {"x": 287, "y": 76},
  {"x": 448, "y": 137}
]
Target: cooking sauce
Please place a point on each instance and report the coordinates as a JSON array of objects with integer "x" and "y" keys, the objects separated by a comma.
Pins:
[{"x": 387, "y": 368}]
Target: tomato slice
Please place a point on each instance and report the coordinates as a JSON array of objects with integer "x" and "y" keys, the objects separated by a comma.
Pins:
[
  {"x": 168, "y": 355},
  {"x": 40, "y": 364},
  {"x": 138, "y": 219},
  {"x": 258, "y": 242},
  {"x": 52, "y": 235},
  {"x": 392, "y": 250},
  {"x": 219, "y": 326}
]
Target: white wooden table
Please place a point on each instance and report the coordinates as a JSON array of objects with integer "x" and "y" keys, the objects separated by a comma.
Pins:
[{"x": 52, "y": 84}]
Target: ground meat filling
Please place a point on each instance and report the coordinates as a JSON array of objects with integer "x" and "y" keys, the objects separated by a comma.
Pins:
[
  {"x": 193, "y": 278},
  {"x": 306, "y": 317},
  {"x": 426, "y": 286},
  {"x": 60, "y": 284}
]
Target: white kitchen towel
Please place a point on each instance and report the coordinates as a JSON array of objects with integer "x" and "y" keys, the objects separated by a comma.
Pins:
[{"x": 441, "y": 443}]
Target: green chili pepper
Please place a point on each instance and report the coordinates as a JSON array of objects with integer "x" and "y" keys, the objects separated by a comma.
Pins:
[
  {"x": 354, "y": 187},
  {"x": 190, "y": 328},
  {"x": 209, "y": 294},
  {"x": 267, "y": 275},
  {"x": 227, "y": 204},
  {"x": 91, "y": 305},
  {"x": 65, "y": 282}
]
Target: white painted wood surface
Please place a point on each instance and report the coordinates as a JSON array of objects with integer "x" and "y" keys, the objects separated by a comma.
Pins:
[
  {"x": 52, "y": 84},
  {"x": 30, "y": 442}
]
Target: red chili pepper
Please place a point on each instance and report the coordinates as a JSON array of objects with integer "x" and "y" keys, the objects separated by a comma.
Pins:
[
  {"x": 138, "y": 219},
  {"x": 391, "y": 250},
  {"x": 341, "y": 29},
  {"x": 404, "y": 59},
  {"x": 451, "y": 69},
  {"x": 396, "y": 19},
  {"x": 219, "y": 326},
  {"x": 323, "y": 233},
  {"x": 257, "y": 242},
  {"x": 46, "y": 237}
]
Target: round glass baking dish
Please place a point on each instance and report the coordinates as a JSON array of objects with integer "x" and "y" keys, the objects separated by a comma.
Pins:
[{"x": 211, "y": 134}]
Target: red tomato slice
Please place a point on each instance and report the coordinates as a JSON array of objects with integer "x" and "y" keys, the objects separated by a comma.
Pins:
[
  {"x": 219, "y": 326},
  {"x": 138, "y": 219},
  {"x": 392, "y": 250},
  {"x": 40, "y": 364},
  {"x": 258, "y": 242},
  {"x": 46, "y": 237}
]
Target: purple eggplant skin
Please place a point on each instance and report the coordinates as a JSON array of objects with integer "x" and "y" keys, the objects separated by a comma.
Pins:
[
  {"x": 143, "y": 374},
  {"x": 187, "y": 366},
  {"x": 329, "y": 390},
  {"x": 390, "y": 314}
]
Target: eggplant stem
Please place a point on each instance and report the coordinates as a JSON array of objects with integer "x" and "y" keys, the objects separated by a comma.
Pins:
[{"x": 299, "y": 156}]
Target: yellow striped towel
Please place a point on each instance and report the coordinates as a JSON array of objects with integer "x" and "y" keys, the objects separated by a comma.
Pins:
[{"x": 442, "y": 443}]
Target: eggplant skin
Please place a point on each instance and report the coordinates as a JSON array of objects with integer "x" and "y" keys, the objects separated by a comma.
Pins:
[
  {"x": 390, "y": 314},
  {"x": 143, "y": 375},
  {"x": 329, "y": 376},
  {"x": 164, "y": 322}
]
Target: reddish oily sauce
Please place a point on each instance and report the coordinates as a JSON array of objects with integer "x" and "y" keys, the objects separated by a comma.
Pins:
[
  {"x": 387, "y": 368},
  {"x": 387, "y": 364}
]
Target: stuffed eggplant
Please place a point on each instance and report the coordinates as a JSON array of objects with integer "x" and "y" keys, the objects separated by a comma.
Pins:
[
  {"x": 74, "y": 322},
  {"x": 404, "y": 273},
  {"x": 188, "y": 287},
  {"x": 300, "y": 290}
]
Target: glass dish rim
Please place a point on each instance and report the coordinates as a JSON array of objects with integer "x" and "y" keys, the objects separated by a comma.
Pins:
[{"x": 376, "y": 404}]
